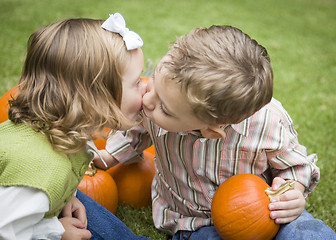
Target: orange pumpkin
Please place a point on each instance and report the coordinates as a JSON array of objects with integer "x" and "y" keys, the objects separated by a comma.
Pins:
[
  {"x": 101, "y": 142},
  {"x": 4, "y": 106},
  {"x": 134, "y": 181},
  {"x": 240, "y": 209},
  {"x": 101, "y": 187},
  {"x": 145, "y": 79},
  {"x": 151, "y": 150}
]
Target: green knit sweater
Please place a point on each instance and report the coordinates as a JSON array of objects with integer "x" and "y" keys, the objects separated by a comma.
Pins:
[{"x": 28, "y": 159}]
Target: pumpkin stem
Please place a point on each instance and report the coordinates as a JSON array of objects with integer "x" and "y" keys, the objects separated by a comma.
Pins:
[
  {"x": 288, "y": 185},
  {"x": 91, "y": 170}
]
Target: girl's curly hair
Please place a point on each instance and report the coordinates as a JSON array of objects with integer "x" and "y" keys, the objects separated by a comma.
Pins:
[{"x": 71, "y": 83}]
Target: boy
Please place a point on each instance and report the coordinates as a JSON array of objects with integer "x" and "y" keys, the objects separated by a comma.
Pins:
[{"x": 210, "y": 113}]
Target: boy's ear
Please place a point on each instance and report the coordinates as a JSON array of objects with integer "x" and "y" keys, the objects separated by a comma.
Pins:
[{"x": 213, "y": 131}]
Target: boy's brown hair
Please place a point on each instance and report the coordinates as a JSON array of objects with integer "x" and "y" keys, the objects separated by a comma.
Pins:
[{"x": 226, "y": 75}]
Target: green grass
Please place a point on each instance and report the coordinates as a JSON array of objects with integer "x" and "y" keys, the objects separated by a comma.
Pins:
[
  {"x": 140, "y": 221},
  {"x": 298, "y": 34}
]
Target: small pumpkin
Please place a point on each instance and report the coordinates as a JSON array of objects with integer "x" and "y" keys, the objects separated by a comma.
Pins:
[
  {"x": 134, "y": 181},
  {"x": 4, "y": 106},
  {"x": 240, "y": 209},
  {"x": 101, "y": 187}
]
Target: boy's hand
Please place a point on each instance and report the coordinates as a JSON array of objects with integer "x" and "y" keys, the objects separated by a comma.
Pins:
[
  {"x": 110, "y": 161},
  {"x": 74, "y": 229},
  {"x": 74, "y": 208},
  {"x": 288, "y": 206}
]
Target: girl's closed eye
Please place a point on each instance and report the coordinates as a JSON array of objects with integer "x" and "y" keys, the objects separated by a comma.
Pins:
[{"x": 138, "y": 83}]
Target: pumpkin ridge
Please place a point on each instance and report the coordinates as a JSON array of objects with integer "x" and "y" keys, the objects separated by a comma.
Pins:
[
  {"x": 244, "y": 207},
  {"x": 246, "y": 230},
  {"x": 260, "y": 217}
]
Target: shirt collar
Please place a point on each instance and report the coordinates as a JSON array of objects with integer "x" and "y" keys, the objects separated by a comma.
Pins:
[{"x": 241, "y": 128}]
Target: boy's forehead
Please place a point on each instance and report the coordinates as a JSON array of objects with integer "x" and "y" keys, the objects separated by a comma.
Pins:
[
  {"x": 160, "y": 73},
  {"x": 160, "y": 66}
]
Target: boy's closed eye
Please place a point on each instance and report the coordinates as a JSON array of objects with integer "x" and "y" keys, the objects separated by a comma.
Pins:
[{"x": 163, "y": 110}]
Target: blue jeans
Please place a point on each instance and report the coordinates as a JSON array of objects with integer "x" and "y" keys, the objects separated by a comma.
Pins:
[
  {"x": 102, "y": 224},
  {"x": 305, "y": 227}
]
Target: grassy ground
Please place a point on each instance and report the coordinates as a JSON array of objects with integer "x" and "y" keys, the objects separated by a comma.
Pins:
[{"x": 299, "y": 35}]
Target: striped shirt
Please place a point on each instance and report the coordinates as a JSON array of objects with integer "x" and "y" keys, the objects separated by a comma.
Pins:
[{"x": 189, "y": 168}]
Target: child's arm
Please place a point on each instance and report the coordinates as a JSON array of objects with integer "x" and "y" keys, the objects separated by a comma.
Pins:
[
  {"x": 127, "y": 146},
  {"x": 22, "y": 210},
  {"x": 108, "y": 159},
  {"x": 288, "y": 159},
  {"x": 289, "y": 205}
]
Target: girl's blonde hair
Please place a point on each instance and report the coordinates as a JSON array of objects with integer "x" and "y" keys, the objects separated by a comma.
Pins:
[
  {"x": 71, "y": 82},
  {"x": 226, "y": 75}
]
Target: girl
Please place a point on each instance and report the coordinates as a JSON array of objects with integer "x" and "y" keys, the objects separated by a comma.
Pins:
[{"x": 79, "y": 77}]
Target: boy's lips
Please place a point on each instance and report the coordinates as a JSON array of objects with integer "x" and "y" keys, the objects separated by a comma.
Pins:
[{"x": 144, "y": 110}]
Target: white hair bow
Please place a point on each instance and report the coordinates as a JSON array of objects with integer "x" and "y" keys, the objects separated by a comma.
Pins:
[{"x": 116, "y": 23}]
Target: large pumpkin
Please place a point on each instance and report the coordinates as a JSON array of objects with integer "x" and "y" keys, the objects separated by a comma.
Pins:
[
  {"x": 240, "y": 209},
  {"x": 134, "y": 181},
  {"x": 4, "y": 106},
  {"x": 100, "y": 186}
]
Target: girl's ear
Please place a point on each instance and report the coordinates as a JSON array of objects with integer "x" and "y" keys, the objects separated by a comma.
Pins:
[{"x": 213, "y": 131}]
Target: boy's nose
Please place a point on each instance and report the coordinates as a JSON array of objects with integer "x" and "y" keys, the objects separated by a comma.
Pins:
[
  {"x": 148, "y": 100},
  {"x": 143, "y": 89}
]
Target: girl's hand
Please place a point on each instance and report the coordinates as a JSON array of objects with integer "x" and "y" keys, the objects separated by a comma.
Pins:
[
  {"x": 74, "y": 229},
  {"x": 110, "y": 161},
  {"x": 288, "y": 206},
  {"x": 75, "y": 209}
]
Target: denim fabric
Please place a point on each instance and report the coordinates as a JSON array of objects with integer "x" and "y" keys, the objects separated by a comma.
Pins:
[
  {"x": 204, "y": 233},
  {"x": 102, "y": 224},
  {"x": 306, "y": 227}
]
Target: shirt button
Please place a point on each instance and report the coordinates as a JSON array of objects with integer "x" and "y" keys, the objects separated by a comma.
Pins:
[
  {"x": 203, "y": 140},
  {"x": 199, "y": 171}
]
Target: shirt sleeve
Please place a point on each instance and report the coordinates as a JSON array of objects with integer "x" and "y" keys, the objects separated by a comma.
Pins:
[
  {"x": 127, "y": 146},
  {"x": 22, "y": 212},
  {"x": 290, "y": 159}
]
